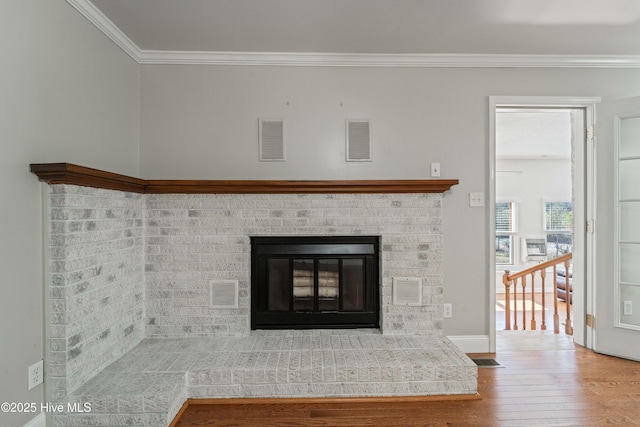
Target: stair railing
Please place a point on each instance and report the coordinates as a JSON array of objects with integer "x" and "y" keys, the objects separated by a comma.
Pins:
[{"x": 509, "y": 280}]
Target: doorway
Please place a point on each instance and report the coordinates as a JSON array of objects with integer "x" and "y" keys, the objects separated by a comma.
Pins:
[
  {"x": 534, "y": 210},
  {"x": 539, "y": 155}
]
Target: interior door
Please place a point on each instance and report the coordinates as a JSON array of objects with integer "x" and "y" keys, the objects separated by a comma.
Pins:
[{"x": 617, "y": 286}]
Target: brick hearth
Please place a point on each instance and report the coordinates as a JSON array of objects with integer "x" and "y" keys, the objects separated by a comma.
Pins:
[{"x": 150, "y": 383}]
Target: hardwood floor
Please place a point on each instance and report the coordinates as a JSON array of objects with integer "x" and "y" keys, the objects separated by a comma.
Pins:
[{"x": 545, "y": 381}]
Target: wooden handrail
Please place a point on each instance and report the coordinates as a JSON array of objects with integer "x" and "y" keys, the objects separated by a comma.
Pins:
[
  {"x": 509, "y": 279},
  {"x": 538, "y": 267}
]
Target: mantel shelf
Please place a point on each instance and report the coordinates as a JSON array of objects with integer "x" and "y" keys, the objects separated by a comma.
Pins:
[{"x": 67, "y": 173}]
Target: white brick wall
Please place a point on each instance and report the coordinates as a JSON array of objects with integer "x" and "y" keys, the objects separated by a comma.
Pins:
[
  {"x": 192, "y": 239},
  {"x": 124, "y": 266},
  {"x": 97, "y": 281}
]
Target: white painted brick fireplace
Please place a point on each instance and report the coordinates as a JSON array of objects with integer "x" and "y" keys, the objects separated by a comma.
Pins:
[
  {"x": 132, "y": 332},
  {"x": 193, "y": 239}
]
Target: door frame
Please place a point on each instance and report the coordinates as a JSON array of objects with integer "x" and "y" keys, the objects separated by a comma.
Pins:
[{"x": 581, "y": 335}]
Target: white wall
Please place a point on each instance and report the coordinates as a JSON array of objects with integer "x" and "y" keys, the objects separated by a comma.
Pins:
[
  {"x": 201, "y": 122},
  {"x": 530, "y": 182},
  {"x": 67, "y": 94}
]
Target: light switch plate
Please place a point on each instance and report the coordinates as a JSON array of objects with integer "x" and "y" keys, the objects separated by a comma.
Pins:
[
  {"x": 476, "y": 200},
  {"x": 435, "y": 170}
]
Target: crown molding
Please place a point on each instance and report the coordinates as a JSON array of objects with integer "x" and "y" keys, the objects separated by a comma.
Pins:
[
  {"x": 417, "y": 60},
  {"x": 388, "y": 60},
  {"x": 104, "y": 24}
]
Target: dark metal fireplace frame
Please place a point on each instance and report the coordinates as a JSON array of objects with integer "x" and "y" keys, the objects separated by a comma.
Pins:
[{"x": 314, "y": 251}]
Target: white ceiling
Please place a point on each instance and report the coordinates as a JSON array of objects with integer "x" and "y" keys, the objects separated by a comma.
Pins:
[{"x": 529, "y": 27}]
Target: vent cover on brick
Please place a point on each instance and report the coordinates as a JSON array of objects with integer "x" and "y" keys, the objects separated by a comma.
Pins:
[
  {"x": 271, "y": 140},
  {"x": 358, "y": 141},
  {"x": 407, "y": 291},
  {"x": 223, "y": 294}
]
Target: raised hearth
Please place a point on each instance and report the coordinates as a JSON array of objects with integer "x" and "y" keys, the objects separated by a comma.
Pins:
[{"x": 148, "y": 385}]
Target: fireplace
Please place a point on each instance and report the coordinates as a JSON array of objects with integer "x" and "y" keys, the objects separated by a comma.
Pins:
[
  {"x": 178, "y": 238},
  {"x": 315, "y": 282}
]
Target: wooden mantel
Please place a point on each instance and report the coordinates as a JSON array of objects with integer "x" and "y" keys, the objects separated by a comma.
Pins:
[{"x": 67, "y": 173}]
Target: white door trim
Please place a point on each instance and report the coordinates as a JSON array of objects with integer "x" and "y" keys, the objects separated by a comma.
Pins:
[{"x": 588, "y": 104}]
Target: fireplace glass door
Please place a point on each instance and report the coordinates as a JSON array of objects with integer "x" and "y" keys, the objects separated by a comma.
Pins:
[{"x": 314, "y": 282}]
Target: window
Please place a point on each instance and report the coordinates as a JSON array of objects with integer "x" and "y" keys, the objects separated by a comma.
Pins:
[
  {"x": 504, "y": 249},
  {"x": 505, "y": 230},
  {"x": 558, "y": 224}
]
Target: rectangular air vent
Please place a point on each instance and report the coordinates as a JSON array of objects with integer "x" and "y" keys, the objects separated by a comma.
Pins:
[
  {"x": 223, "y": 294},
  {"x": 271, "y": 140},
  {"x": 407, "y": 291},
  {"x": 358, "y": 141}
]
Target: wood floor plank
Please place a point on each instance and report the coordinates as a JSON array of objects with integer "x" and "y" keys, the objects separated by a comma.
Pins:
[{"x": 565, "y": 385}]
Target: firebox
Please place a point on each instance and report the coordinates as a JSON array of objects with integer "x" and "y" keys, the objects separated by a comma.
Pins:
[{"x": 318, "y": 282}]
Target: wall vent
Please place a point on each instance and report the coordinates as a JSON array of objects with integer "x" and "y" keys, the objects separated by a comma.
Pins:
[
  {"x": 223, "y": 294},
  {"x": 271, "y": 133},
  {"x": 358, "y": 141},
  {"x": 407, "y": 291}
]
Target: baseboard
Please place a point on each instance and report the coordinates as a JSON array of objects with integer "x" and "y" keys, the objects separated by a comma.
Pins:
[
  {"x": 38, "y": 421},
  {"x": 471, "y": 343}
]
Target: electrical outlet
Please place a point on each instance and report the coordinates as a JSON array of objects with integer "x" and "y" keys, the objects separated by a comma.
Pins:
[
  {"x": 35, "y": 374},
  {"x": 628, "y": 308},
  {"x": 448, "y": 311}
]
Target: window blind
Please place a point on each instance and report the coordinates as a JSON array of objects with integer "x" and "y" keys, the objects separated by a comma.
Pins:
[
  {"x": 505, "y": 217},
  {"x": 558, "y": 216}
]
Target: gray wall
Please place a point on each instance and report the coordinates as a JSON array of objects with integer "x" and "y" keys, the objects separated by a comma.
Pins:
[
  {"x": 68, "y": 94},
  {"x": 201, "y": 122}
]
